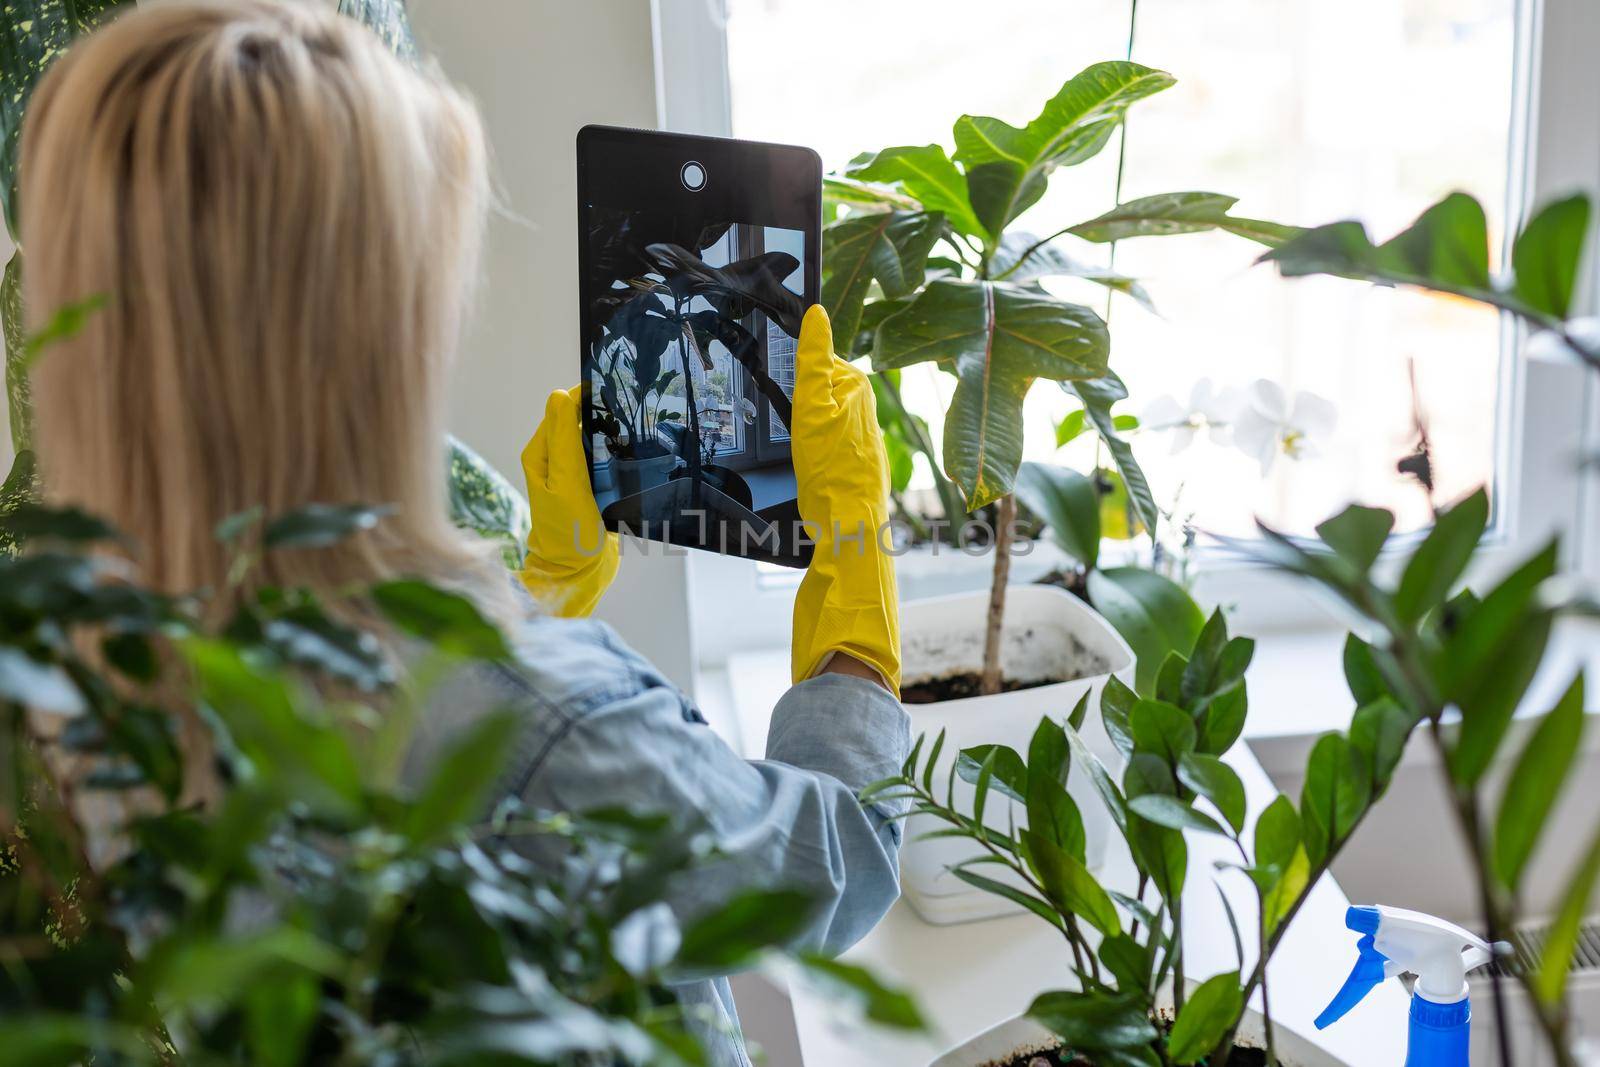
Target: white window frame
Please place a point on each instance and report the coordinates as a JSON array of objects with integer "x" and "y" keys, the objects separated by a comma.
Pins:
[{"x": 1548, "y": 411}]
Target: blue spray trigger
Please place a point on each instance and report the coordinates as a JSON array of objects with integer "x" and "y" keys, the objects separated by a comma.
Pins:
[{"x": 1368, "y": 972}]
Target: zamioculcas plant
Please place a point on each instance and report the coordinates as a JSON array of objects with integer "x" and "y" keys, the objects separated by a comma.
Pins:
[
  {"x": 1125, "y": 941},
  {"x": 1431, "y": 654},
  {"x": 33, "y": 34},
  {"x": 926, "y": 263}
]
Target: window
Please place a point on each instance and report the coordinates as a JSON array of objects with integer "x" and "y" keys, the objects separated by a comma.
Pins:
[{"x": 1307, "y": 112}]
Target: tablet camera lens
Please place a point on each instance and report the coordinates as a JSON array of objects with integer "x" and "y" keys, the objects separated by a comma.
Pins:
[{"x": 693, "y": 176}]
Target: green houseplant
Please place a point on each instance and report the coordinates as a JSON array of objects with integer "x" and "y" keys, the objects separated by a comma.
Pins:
[
  {"x": 1427, "y": 650},
  {"x": 34, "y": 34},
  {"x": 317, "y": 912},
  {"x": 927, "y": 263},
  {"x": 1474, "y": 657}
]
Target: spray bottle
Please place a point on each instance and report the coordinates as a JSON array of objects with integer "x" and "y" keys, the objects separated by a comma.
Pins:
[{"x": 1395, "y": 942}]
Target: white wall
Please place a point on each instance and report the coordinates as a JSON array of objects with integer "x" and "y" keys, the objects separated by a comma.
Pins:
[{"x": 540, "y": 69}]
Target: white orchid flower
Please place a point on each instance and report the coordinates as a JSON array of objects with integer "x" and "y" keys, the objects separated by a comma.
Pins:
[
  {"x": 1269, "y": 423},
  {"x": 1209, "y": 408},
  {"x": 747, "y": 410}
]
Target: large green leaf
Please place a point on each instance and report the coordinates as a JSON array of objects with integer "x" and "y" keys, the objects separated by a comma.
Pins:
[
  {"x": 1208, "y": 1014},
  {"x": 1547, "y": 253},
  {"x": 1337, "y": 788},
  {"x": 33, "y": 34},
  {"x": 1446, "y": 250},
  {"x": 1540, "y": 772},
  {"x": 997, "y": 339},
  {"x": 927, "y": 175},
  {"x": 1069, "y": 505},
  {"x": 1095, "y": 1021},
  {"x": 1442, "y": 557},
  {"x": 1006, "y": 167},
  {"x": 1561, "y": 939},
  {"x": 1167, "y": 214},
  {"x": 1097, "y": 396},
  {"x": 1153, "y": 614},
  {"x": 887, "y": 247},
  {"x": 1069, "y": 884}
]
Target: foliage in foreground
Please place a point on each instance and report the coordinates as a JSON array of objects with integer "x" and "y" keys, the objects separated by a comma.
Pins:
[
  {"x": 320, "y": 912},
  {"x": 1428, "y": 651}
]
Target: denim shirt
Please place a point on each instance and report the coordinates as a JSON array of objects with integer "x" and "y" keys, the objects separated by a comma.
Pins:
[{"x": 605, "y": 728}]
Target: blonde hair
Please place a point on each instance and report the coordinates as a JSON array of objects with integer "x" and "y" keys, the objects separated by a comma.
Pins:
[{"x": 283, "y": 219}]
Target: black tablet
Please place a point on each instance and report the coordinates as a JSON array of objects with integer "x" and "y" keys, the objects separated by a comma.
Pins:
[{"x": 698, "y": 257}]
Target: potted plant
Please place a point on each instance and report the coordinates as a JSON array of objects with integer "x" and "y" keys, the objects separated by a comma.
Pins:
[
  {"x": 926, "y": 263},
  {"x": 1136, "y": 1001}
]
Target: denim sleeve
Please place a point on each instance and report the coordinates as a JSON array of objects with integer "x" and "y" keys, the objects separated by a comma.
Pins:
[{"x": 791, "y": 820}]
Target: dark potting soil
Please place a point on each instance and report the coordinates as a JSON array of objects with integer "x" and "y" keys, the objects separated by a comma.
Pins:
[{"x": 961, "y": 686}]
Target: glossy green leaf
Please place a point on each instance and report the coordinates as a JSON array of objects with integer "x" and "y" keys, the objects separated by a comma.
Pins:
[
  {"x": 1160, "y": 852},
  {"x": 753, "y": 921},
  {"x": 1162, "y": 729},
  {"x": 1536, "y": 780},
  {"x": 1146, "y": 774},
  {"x": 1000, "y": 889},
  {"x": 1222, "y": 721},
  {"x": 1277, "y": 835},
  {"x": 1337, "y": 789},
  {"x": 1208, "y": 1014},
  {"x": 1010, "y": 773},
  {"x": 1095, "y": 1021},
  {"x": 998, "y": 340},
  {"x": 1047, "y": 752},
  {"x": 1069, "y": 505},
  {"x": 1173, "y": 813},
  {"x": 1217, "y": 782},
  {"x": 1097, "y": 396},
  {"x": 1153, "y": 614},
  {"x": 1086, "y": 761},
  {"x": 1561, "y": 939},
  {"x": 1547, "y": 254},
  {"x": 889, "y": 248},
  {"x": 447, "y": 620},
  {"x": 1068, "y": 882},
  {"x": 1006, "y": 166},
  {"x": 926, "y": 174},
  {"x": 1358, "y": 534},
  {"x": 458, "y": 790},
  {"x": 1491, "y": 659},
  {"x": 1116, "y": 704},
  {"x": 1128, "y": 961},
  {"x": 1446, "y": 249},
  {"x": 1053, "y": 814},
  {"x": 1378, "y": 734},
  {"x": 1169, "y": 214},
  {"x": 1442, "y": 557},
  {"x": 1361, "y": 672},
  {"x": 1169, "y": 679}
]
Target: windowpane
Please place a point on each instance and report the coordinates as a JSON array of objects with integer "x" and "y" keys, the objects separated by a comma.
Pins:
[{"x": 1306, "y": 111}]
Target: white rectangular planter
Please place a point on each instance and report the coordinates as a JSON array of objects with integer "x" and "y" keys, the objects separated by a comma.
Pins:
[{"x": 1048, "y": 633}]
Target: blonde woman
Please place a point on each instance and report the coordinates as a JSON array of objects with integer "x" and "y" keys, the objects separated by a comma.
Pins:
[{"x": 283, "y": 220}]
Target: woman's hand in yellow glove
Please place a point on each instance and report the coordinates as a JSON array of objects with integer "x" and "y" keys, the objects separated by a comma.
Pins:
[
  {"x": 847, "y": 601},
  {"x": 571, "y": 557}
]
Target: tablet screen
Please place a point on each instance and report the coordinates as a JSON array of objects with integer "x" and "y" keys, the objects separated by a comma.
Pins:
[{"x": 693, "y": 293}]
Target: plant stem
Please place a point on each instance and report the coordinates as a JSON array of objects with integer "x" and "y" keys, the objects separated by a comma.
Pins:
[
  {"x": 1266, "y": 1000},
  {"x": 1005, "y": 519}
]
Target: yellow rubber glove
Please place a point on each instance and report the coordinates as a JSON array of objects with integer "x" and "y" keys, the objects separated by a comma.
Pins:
[
  {"x": 571, "y": 556},
  {"x": 847, "y": 601}
]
